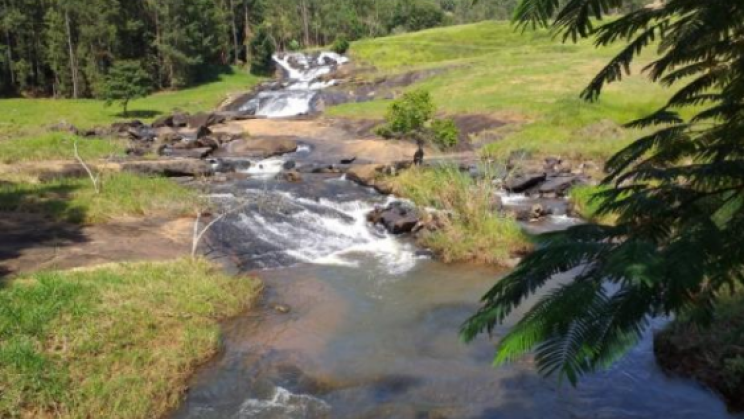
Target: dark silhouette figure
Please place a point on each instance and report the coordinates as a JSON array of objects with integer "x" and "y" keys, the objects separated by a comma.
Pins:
[{"x": 418, "y": 158}]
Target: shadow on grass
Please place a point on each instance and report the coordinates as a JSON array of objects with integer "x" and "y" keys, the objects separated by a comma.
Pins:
[
  {"x": 35, "y": 217},
  {"x": 139, "y": 114}
]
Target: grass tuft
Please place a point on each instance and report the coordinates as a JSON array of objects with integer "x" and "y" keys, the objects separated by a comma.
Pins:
[
  {"x": 114, "y": 342},
  {"x": 472, "y": 231}
]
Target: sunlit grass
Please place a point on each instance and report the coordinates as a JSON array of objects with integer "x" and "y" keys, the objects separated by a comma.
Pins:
[
  {"x": 529, "y": 79},
  {"x": 112, "y": 342},
  {"x": 24, "y": 117},
  {"x": 58, "y": 146},
  {"x": 122, "y": 195},
  {"x": 471, "y": 229}
]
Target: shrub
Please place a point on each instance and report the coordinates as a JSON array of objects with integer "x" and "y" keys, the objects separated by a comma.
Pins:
[
  {"x": 445, "y": 133},
  {"x": 410, "y": 113},
  {"x": 294, "y": 45},
  {"x": 341, "y": 46}
]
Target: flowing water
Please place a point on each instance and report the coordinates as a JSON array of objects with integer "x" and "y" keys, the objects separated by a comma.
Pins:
[{"x": 372, "y": 324}]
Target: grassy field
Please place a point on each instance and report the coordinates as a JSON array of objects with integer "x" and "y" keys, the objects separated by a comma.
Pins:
[
  {"x": 529, "y": 78},
  {"x": 473, "y": 232},
  {"x": 28, "y": 117},
  {"x": 58, "y": 146},
  {"x": 75, "y": 200},
  {"x": 112, "y": 342}
]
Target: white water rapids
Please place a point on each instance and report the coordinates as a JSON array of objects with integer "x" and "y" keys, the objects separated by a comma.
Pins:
[{"x": 300, "y": 89}]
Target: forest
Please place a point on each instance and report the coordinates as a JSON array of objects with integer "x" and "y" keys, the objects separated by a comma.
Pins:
[{"x": 64, "y": 48}]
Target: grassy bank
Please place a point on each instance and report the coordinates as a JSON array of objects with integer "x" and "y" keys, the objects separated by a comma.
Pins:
[
  {"x": 713, "y": 355},
  {"x": 58, "y": 146},
  {"x": 472, "y": 232},
  {"x": 528, "y": 78},
  {"x": 29, "y": 117},
  {"x": 75, "y": 200},
  {"x": 113, "y": 342}
]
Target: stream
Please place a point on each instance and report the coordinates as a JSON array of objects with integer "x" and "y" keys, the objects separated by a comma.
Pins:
[{"x": 356, "y": 323}]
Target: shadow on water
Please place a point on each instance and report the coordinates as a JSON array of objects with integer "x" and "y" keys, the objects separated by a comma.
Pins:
[{"x": 36, "y": 216}]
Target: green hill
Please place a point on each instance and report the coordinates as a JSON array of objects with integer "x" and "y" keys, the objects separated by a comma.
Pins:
[{"x": 529, "y": 78}]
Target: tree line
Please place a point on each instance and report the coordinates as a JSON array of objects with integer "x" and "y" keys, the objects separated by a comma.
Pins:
[{"x": 65, "y": 48}]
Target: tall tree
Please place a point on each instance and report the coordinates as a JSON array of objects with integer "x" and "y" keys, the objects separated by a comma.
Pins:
[{"x": 678, "y": 245}]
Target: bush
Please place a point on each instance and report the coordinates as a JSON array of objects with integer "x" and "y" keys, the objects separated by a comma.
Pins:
[
  {"x": 294, "y": 45},
  {"x": 445, "y": 133},
  {"x": 341, "y": 46},
  {"x": 410, "y": 113}
]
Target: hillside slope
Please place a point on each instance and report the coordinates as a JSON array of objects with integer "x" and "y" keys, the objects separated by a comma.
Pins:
[{"x": 530, "y": 78}]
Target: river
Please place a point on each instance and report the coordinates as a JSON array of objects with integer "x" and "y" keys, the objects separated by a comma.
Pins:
[{"x": 355, "y": 323}]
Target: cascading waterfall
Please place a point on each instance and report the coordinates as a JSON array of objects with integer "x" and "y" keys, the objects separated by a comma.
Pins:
[{"x": 299, "y": 91}]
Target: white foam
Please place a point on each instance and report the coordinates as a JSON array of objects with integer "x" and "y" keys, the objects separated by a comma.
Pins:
[
  {"x": 511, "y": 198},
  {"x": 284, "y": 404},
  {"x": 266, "y": 168}
]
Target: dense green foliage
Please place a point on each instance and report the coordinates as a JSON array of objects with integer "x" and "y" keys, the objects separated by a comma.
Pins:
[
  {"x": 411, "y": 116},
  {"x": 444, "y": 133},
  {"x": 341, "y": 45},
  {"x": 678, "y": 193},
  {"x": 65, "y": 47},
  {"x": 125, "y": 81},
  {"x": 263, "y": 47}
]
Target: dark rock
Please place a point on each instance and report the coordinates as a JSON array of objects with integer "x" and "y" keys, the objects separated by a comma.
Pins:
[
  {"x": 396, "y": 218},
  {"x": 229, "y": 165},
  {"x": 205, "y": 120},
  {"x": 330, "y": 169},
  {"x": 180, "y": 120},
  {"x": 123, "y": 127},
  {"x": 170, "y": 138},
  {"x": 188, "y": 153},
  {"x": 349, "y": 160},
  {"x": 163, "y": 121},
  {"x": 202, "y": 132},
  {"x": 559, "y": 185},
  {"x": 521, "y": 183},
  {"x": 290, "y": 165}
]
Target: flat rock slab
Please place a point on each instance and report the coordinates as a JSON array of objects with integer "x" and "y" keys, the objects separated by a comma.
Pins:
[
  {"x": 261, "y": 147},
  {"x": 31, "y": 243}
]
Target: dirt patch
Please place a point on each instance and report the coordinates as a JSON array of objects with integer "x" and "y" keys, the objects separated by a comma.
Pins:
[{"x": 32, "y": 243}]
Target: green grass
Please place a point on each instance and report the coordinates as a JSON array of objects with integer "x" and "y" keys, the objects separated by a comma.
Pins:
[
  {"x": 25, "y": 117},
  {"x": 114, "y": 342},
  {"x": 58, "y": 146},
  {"x": 528, "y": 78},
  {"x": 586, "y": 204},
  {"x": 472, "y": 232},
  {"x": 122, "y": 195}
]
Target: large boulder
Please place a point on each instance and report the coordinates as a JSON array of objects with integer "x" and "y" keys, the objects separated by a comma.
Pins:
[
  {"x": 397, "y": 218},
  {"x": 205, "y": 120},
  {"x": 559, "y": 185},
  {"x": 524, "y": 182},
  {"x": 258, "y": 147},
  {"x": 187, "y": 153}
]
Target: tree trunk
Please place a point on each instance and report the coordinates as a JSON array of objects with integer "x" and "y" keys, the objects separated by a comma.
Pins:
[
  {"x": 158, "y": 44},
  {"x": 73, "y": 63},
  {"x": 236, "y": 47},
  {"x": 305, "y": 23},
  {"x": 10, "y": 50},
  {"x": 248, "y": 35}
]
